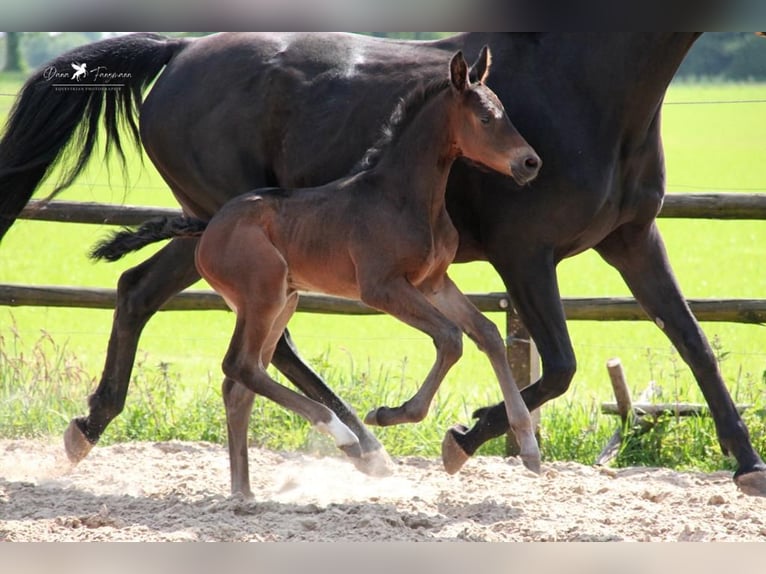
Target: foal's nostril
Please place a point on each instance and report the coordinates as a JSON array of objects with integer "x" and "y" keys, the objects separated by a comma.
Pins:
[{"x": 532, "y": 162}]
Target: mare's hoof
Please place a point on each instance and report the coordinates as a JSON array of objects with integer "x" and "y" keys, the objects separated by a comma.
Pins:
[
  {"x": 453, "y": 455},
  {"x": 752, "y": 483},
  {"x": 76, "y": 443}
]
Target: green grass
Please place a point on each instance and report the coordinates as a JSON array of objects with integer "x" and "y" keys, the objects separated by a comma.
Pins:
[{"x": 375, "y": 360}]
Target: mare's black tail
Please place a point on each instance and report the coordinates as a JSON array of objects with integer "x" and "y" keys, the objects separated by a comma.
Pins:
[
  {"x": 128, "y": 240},
  {"x": 57, "y": 116}
]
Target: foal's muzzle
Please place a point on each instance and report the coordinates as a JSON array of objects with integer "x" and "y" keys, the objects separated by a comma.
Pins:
[{"x": 525, "y": 168}]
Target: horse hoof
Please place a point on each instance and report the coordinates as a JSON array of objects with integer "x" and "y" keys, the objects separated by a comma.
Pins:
[
  {"x": 531, "y": 463},
  {"x": 752, "y": 483},
  {"x": 353, "y": 451},
  {"x": 76, "y": 443},
  {"x": 372, "y": 418},
  {"x": 376, "y": 463},
  {"x": 453, "y": 455}
]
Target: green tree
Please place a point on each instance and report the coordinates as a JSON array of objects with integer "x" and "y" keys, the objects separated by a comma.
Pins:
[
  {"x": 41, "y": 47},
  {"x": 13, "y": 58}
]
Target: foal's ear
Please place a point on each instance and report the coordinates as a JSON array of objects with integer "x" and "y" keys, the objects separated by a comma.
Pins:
[
  {"x": 480, "y": 69},
  {"x": 458, "y": 72}
]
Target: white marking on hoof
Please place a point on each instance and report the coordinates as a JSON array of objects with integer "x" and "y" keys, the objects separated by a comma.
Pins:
[
  {"x": 340, "y": 432},
  {"x": 660, "y": 323}
]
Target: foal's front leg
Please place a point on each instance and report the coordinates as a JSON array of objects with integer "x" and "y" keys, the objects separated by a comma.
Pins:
[
  {"x": 400, "y": 299},
  {"x": 457, "y": 307}
]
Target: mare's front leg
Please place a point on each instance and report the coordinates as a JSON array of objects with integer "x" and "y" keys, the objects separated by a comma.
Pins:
[
  {"x": 141, "y": 291},
  {"x": 400, "y": 299},
  {"x": 532, "y": 286},
  {"x": 456, "y": 306},
  {"x": 638, "y": 253}
]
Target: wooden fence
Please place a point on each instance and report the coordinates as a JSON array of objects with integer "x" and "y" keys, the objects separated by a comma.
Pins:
[
  {"x": 522, "y": 354},
  {"x": 687, "y": 206}
]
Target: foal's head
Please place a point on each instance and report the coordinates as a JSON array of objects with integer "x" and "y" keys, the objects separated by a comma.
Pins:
[{"x": 484, "y": 132}]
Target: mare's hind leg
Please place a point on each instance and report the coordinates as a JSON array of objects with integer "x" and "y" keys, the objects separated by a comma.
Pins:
[
  {"x": 638, "y": 253},
  {"x": 141, "y": 291},
  {"x": 374, "y": 460},
  {"x": 400, "y": 299},
  {"x": 456, "y": 306}
]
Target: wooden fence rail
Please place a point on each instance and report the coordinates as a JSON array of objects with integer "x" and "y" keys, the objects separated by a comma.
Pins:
[
  {"x": 577, "y": 309},
  {"x": 680, "y": 206}
]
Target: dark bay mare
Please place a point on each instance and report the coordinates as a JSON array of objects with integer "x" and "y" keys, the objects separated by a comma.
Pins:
[
  {"x": 381, "y": 235},
  {"x": 234, "y": 112}
]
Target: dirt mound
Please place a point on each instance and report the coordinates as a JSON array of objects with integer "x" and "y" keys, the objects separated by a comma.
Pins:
[{"x": 180, "y": 491}]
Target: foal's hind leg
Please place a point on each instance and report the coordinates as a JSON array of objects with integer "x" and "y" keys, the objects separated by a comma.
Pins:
[
  {"x": 374, "y": 460},
  {"x": 254, "y": 282},
  {"x": 245, "y": 364},
  {"x": 238, "y": 400},
  {"x": 456, "y": 306},
  {"x": 140, "y": 293}
]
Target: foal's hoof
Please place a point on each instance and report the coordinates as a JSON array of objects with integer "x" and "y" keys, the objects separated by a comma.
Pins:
[
  {"x": 372, "y": 418},
  {"x": 453, "y": 455},
  {"x": 76, "y": 443},
  {"x": 752, "y": 483},
  {"x": 531, "y": 463},
  {"x": 376, "y": 463},
  {"x": 383, "y": 417}
]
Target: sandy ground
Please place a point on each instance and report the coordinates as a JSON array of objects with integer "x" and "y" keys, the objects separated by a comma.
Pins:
[{"x": 179, "y": 491}]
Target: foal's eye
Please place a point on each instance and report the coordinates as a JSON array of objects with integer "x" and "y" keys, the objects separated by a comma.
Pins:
[{"x": 485, "y": 119}]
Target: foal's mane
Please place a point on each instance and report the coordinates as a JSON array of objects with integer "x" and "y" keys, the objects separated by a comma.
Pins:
[{"x": 406, "y": 108}]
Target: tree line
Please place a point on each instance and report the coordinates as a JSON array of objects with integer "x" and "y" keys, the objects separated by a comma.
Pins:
[{"x": 717, "y": 56}]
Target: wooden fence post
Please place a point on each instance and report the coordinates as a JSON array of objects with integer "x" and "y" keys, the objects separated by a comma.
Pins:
[{"x": 525, "y": 365}]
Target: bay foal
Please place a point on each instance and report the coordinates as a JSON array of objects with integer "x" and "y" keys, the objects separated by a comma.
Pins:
[{"x": 381, "y": 235}]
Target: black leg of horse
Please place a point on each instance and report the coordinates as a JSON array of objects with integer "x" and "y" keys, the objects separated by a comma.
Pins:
[
  {"x": 141, "y": 291},
  {"x": 534, "y": 291},
  {"x": 375, "y": 460},
  {"x": 638, "y": 253}
]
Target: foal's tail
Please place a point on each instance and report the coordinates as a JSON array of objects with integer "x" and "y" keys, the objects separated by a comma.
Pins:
[
  {"x": 128, "y": 240},
  {"x": 56, "y": 117}
]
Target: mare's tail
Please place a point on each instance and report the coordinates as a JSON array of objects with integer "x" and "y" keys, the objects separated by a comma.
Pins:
[
  {"x": 56, "y": 117},
  {"x": 128, "y": 240}
]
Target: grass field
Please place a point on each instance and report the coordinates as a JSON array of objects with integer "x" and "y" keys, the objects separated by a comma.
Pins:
[{"x": 714, "y": 147}]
